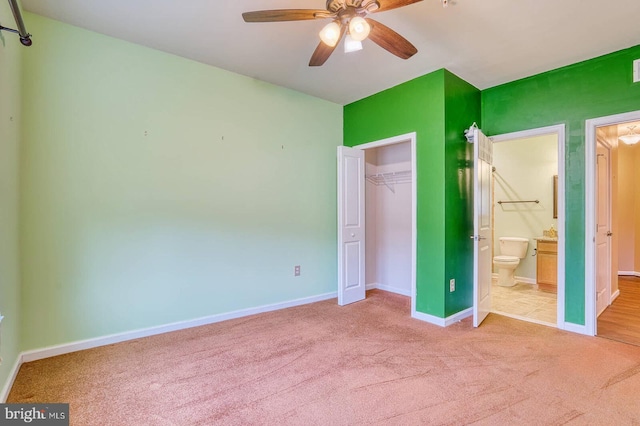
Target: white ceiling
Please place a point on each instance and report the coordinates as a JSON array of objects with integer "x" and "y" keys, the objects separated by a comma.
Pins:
[{"x": 485, "y": 42}]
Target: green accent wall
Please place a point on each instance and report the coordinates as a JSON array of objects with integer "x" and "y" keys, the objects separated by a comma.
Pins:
[
  {"x": 10, "y": 118},
  {"x": 571, "y": 95},
  {"x": 438, "y": 107},
  {"x": 157, "y": 189},
  {"x": 462, "y": 108}
]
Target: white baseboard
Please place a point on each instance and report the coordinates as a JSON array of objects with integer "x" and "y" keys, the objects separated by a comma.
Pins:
[
  {"x": 458, "y": 316},
  {"x": 522, "y": 280},
  {"x": 389, "y": 288},
  {"x": 11, "y": 379},
  {"x": 371, "y": 286},
  {"x": 615, "y": 295},
  {"x": 526, "y": 280},
  {"x": 50, "y": 351},
  {"x": 629, "y": 273},
  {"x": 431, "y": 319},
  {"x": 574, "y": 328},
  {"x": 443, "y": 322}
]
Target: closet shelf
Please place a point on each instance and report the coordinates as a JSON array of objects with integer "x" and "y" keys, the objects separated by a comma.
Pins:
[{"x": 389, "y": 179}]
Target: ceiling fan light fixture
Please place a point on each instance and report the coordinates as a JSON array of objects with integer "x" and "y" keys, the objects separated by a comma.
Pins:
[
  {"x": 351, "y": 45},
  {"x": 330, "y": 34},
  {"x": 359, "y": 28},
  {"x": 631, "y": 138}
]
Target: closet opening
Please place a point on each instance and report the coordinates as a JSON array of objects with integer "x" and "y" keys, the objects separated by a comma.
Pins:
[{"x": 390, "y": 215}]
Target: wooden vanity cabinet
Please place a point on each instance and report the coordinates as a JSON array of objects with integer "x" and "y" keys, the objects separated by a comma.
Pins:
[{"x": 547, "y": 266}]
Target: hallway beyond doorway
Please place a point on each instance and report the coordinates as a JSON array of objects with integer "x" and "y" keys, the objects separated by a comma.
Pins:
[{"x": 621, "y": 320}]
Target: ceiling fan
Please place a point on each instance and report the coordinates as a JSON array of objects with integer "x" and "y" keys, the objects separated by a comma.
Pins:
[{"x": 348, "y": 16}]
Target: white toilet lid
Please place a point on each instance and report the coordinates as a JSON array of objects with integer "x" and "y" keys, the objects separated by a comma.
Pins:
[{"x": 507, "y": 259}]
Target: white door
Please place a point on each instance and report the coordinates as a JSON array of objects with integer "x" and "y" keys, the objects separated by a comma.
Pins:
[
  {"x": 351, "y": 230},
  {"x": 482, "y": 231},
  {"x": 603, "y": 228}
]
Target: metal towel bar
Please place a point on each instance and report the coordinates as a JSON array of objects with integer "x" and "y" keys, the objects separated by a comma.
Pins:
[{"x": 522, "y": 201}]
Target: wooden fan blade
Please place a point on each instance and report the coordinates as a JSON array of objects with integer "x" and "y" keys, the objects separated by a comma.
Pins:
[
  {"x": 394, "y": 4},
  {"x": 390, "y": 40},
  {"x": 282, "y": 15},
  {"x": 322, "y": 52}
]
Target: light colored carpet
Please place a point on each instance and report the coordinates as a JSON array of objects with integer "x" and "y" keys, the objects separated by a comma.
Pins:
[{"x": 367, "y": 363}]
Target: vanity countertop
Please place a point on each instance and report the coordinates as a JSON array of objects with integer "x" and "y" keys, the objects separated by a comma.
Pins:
[{"x": 547, "y": 239}]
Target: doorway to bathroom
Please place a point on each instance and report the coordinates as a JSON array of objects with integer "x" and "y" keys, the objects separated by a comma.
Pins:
[
  {"x": 377, "y": 218},
  {"x": 528, "y": 217},
  {"x": 612, "y": 261}
]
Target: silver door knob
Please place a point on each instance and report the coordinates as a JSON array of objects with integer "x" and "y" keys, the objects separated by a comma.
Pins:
[
  {"x": 353, "y": 235},
  {"x": 609, "y": 234}
]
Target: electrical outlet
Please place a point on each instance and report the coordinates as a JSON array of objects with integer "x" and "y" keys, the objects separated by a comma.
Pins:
[
  {"x": 452, "y": 285},
  {"x": 296, "y": 271},
  {"x": 636, "y": 71}
]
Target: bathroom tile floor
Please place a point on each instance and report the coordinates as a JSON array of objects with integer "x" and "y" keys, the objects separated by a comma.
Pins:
[{"x": 525, "y": 302}]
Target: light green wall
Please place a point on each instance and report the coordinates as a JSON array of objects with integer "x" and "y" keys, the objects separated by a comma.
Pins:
[
  {"x": 157, "y": 189},
  {"x": 571, "y": 95},
  {"x": 438, "y": 107},
  {"x": 10, "y": 66}
]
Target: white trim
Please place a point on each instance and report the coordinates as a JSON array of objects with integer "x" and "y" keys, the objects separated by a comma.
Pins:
[
  {"x": 407, "y": 137},
  {"x": 522, "y": 134},
  {"x": 560, "y": 131},
  {"x": 457, "y": 317},
  {"x": 371, "y": 286},
  {"x": 443, "y": 322},
  {"x": 50, "y": 351},
  {"x": 390, "y": 289},
  {"x": 629, "y": 273},
  {"x": 615, "y": 295},
  {"x": 591, "y": 323},
  {"x": 526, "y": 280},
  {"x": 521, "y": 280},
  {"x": 12, "y": 377},
  {"x": 575, "y": 328},
  {"x": 395, "y": 290},
  {"x": 523, "y": 318},
  {"x": 431, "y": 319}
]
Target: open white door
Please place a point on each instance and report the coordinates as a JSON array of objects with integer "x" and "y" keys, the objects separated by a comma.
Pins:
[
  {"x": 351, "y": 229},
  {"x": 482, "y": 230},
  {"x": 603, "y": 227}
]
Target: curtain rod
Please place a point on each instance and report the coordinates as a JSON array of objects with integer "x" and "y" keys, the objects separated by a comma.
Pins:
[{"x": 25, "y": 37}]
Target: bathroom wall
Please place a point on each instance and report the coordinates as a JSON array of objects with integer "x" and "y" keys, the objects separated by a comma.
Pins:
[
  {"x": 524, "y": 170},
  {"x": 388, "y": 221}
]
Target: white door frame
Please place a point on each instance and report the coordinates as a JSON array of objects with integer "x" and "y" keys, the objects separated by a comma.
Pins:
[
  {"x": 591, "y": 323},
  {"x": 558, "y": 130},
  {"x": 407, "y": 137}
]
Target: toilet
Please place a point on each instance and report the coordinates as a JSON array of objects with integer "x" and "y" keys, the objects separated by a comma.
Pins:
[{"x": 512, "y": 249}]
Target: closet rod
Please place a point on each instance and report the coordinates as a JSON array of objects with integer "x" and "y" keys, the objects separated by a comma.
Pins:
[{"x": 521, "y": 201}]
